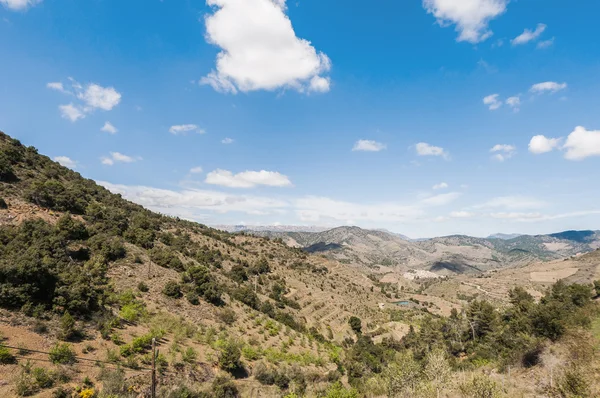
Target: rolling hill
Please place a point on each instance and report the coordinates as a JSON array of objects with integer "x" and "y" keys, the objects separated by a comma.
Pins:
[{"x": 445, "y": 255}]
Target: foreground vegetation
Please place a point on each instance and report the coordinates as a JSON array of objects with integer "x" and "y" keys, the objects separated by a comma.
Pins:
[{"x": 55, "y": 276}]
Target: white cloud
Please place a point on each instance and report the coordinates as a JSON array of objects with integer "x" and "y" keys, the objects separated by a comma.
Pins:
[
  {"x": 58, "y": 86},
  {"x": 65, "y": 161},
  {"x": 514, "y": 102},
  {"x": 247, "y": 179},
  {"x": 461, "y": 214},
  {"x": 260, "y": 50},
  {"x": 540, "y": 144},
  {"x": 315, "y": 209},
  {"x": 227, "y": 141},
  {"x": 529, "y": 35},
  {"x": 192, "y": 203},
  {"x": 442, "y": 199},
  {"x": 18, "y": 5},
  {"x": 196, "y": 170},
  {"x": 183, "y": 129},
  {"x": 95, "y": 96},
  {"x": 441, "y": 185},
  {"x": 92, "y": 97},
  {"x": 582, "y": 143},
  {"x": 517, "y": 216},
  {"x": 492, "y": 101},
  {"x": 368, "y": 146},
  {"x": 503, "y": 152},
  {"x": 424, "y": 149},
  {"x": 545, "y": 43},
  {"x": 117, "y": 157},
  {"x": 320, "y": 84},
  {"x": 71, "y": 112},
  {"x": 551, "y": 87},
  {"x": 471, "y": 17},
  {"x": 109, "y": 128},
  {"x": 512, "y": 203}
]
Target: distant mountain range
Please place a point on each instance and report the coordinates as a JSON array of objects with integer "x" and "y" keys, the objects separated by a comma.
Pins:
[{"x": 443, "y": 255}]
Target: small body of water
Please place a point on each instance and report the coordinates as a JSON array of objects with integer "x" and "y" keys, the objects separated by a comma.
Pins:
[{"x": 403, "y": 303}]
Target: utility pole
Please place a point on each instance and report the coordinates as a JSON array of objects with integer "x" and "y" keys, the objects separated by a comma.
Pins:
[{"x": 153, "y": 388}]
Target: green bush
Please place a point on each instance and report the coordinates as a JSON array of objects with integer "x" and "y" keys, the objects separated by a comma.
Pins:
[
  {"x": 68, "y": 328},
  {"x": 229, "y": 356},
  {"x": 227, "y": 316},
  {"x": 142, "y": 287},
  {"x": 42, "y": 377},
  {"x": 355, "y": 324},
  {"x": 6, "y": 357},
  {"x": 223, "y": 387},
  {"x": 62, "y": 354},
  {"x": 172, "y": 289}
]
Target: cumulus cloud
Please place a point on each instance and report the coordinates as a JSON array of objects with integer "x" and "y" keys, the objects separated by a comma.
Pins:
[
  {"x": 227, "y": 141},
  {"x": 65, "y": 161},
  {"x": 183, "y": 129},
  {"x": 196, "y": 170},
  {"x": 424, "y": 149},
  {"x": 91, "y": 97},
  {"x": 247, "y": 179},
  {"x": 109, "y": 128},
  {"x": 441, "y": 185},
  {"x": 19, "y": 5},
  {"x": 117, "y": 157},
  {"x": 98, "y": 97},
  {"x": 582, "y": 143},
  {"x": 260, "y": 50},
  {"x": 71, "y": 112},
  {"x": 471, "y": 17},
  {"x": 547, "y": 87},
  {"x": 368, "y": 146},
  {"x": 541, "y": 144},
  {"x": 529, "y": 35},
  {"x": 492, "y": 101},
  {"x": 503, "y": 152}
]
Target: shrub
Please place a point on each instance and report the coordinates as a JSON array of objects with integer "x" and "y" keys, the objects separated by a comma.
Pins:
[
  {"x": 227, "y": 316},
  {"x": 229, "y": 356},
  {"x": 172, "y": 289},
  {"x": 6, "y": 357},
  {"x": 25, "y": 384},
  {"x": 573, "y": 383},
  {"x": 42, "y": 378},
  {"x": 223, "y": 387},
  {"x": 68, "y": 328},
  {"x": 62, "y": 354},
  {"x": 189, "y": 355},
  {"x": 142, "y": 287},
  {"x": 355, "y": 324},
  {"x": 263, "y": 374},
  {"x": 192, "y": 297},
  {"x": 480, "y": 386}
]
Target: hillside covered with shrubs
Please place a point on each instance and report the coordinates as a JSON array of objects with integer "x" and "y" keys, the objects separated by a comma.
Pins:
[{"x": 88, "y": 278}]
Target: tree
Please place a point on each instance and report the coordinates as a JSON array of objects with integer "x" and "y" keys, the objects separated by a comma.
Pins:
[
  {"x": 355, "y": 324},
  {"x": 229, "y": 356}
]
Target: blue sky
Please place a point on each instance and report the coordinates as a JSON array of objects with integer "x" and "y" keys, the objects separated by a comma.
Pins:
[{"x": 318, "y": 113}]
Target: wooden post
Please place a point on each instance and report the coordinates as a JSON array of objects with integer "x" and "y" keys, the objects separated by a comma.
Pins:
[{"x": 153, "y": 388}]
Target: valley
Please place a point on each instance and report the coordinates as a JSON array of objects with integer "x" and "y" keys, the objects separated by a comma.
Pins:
[{"x": 88, "y": 279}]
